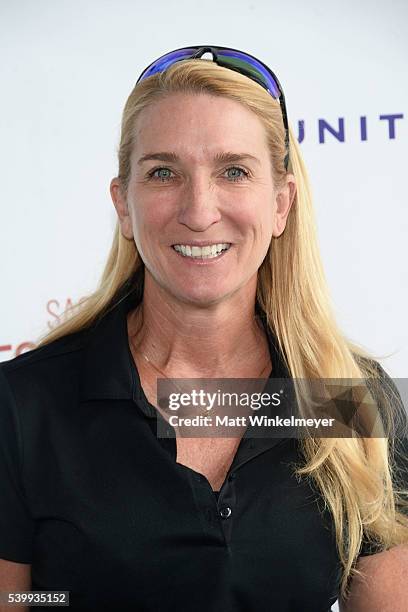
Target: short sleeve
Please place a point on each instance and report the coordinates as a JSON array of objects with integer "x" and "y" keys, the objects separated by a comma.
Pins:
[
  {"x": 399, "y": 457},
  {"x": 16, "y": 524}
]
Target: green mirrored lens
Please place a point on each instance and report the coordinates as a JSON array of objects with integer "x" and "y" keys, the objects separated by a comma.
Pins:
[{"x": 245, "y": 67}]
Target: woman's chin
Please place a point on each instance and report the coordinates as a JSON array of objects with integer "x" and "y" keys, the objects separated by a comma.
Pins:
[{"x": 205, "y": 297}]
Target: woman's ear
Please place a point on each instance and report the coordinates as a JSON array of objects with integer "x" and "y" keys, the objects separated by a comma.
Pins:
[
  {"x": 284, "y": 200},
  {"x": 120, "y": 202}
]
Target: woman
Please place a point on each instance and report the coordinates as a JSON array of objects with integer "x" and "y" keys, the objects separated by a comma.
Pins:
[{"x": 214, "y": 272}]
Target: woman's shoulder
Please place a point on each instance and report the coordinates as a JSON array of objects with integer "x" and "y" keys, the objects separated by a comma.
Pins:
[
  {"x": 53, "y": 350},
  {"x": 42, "y": 367}
]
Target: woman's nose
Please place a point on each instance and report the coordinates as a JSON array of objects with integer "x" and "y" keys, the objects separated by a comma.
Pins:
[{"x": 200, "y": 206}]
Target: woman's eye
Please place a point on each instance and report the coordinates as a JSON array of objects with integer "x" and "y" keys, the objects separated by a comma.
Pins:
[
  {"x": 166, "y": 176},
  {"x": 237, "y": 177},
  {"x": 160, "y": 178}
]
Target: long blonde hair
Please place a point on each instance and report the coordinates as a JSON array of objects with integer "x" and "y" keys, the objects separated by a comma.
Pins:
[{"x": 356, "y": 476}]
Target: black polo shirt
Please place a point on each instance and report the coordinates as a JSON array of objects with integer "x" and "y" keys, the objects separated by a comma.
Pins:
[{"x": 96, "y": 502}]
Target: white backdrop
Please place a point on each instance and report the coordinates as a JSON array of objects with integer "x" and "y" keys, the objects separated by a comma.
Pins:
[{"x": 66, "y": 70}]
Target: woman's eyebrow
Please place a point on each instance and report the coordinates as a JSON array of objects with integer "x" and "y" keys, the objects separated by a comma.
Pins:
[{"x": 223, "y": 157}]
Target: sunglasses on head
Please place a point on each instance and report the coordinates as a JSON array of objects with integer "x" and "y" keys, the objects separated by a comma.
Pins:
[{"x": 233, "y": 59}]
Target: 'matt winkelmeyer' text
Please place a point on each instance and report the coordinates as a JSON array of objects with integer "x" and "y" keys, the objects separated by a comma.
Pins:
[{"x": 254, "y": 420}]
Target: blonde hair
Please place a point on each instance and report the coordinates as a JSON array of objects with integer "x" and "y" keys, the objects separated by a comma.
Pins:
[{"x": 356, "y": 476}]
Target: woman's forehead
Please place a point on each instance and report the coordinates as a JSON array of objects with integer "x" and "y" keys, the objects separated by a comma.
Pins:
[
  {"x": 196, "y": 108},
  {"x": 189, "y": 126}
]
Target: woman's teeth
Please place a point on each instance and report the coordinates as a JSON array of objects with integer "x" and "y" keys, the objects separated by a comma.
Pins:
[{"x": 205, "y": 252}]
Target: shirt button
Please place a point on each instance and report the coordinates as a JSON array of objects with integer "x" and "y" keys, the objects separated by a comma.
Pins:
[{"x": 225, "y": 512}]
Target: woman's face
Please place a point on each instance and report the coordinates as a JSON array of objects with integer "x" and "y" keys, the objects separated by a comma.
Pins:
[{"x": 209, "y": 183}]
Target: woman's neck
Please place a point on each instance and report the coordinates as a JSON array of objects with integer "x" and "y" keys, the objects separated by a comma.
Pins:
[{"x": 223, "y": 340}]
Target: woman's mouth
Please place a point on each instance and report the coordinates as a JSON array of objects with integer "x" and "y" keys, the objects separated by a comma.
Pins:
[{"x": 200, "y": 253}]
